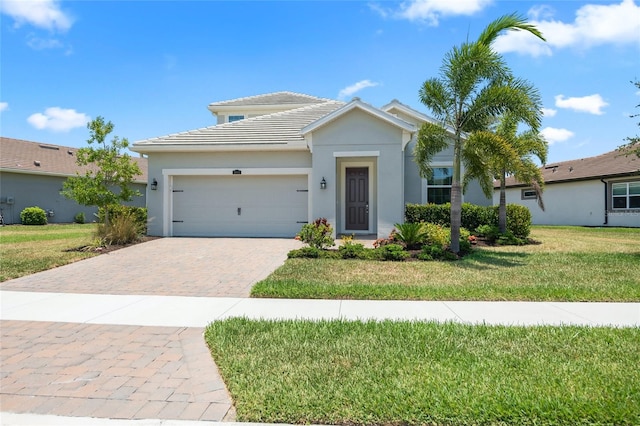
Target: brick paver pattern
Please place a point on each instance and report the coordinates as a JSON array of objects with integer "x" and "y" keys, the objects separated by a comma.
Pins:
[
  {"x": 131, "y": 372},
  {"x": 115, "y": 371},
  {"x": 199, "y": 267}
]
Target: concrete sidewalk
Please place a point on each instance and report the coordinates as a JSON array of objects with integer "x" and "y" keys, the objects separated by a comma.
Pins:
[
  {"x": 178, "y": 311},
  {"x": 12, "y": 419}
]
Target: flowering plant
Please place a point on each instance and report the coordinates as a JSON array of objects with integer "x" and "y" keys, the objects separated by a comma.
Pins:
[{"x": 318, "y": 234}]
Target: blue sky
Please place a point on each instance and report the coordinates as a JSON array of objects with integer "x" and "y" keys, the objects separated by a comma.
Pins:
[{"x": 152, "y": 67}]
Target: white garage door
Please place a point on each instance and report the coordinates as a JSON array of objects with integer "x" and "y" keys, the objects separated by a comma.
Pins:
[{"x": 239, "y": 206}]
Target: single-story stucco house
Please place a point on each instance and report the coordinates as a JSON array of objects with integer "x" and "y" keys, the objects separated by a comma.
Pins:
[
  {"x": 274, "y": 162},
  {"x": 596, "y": 191},
  {"x": 32, "y": 174}
]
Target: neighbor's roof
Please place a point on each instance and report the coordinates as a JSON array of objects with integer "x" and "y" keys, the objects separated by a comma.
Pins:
[
  {"x": 20, "y": 156},
  {"x": 276, "y": 98},
  {"x": 280, "y": 130},
  {"x": 608, "y": 165}
]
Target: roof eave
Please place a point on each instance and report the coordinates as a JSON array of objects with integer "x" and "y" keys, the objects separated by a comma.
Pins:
[
  {"x": 580, "y": 179},
  {"x": 51, "y": 174},
  {"x": 226, "y": 147}
]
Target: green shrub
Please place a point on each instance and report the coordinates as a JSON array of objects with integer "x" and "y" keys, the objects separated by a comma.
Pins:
[
  {"x": 137, "y": 214},
  {"x": 489, "y": 232},
  {"x": 472, "y": 216},
  {"x": 350, "y": 250},
  {"x": 518, "y": 220},
  {"x": 318, "y": 234},
  {"x": 392, "y": 252},
  {"x": 79, "y": 218},
  {"x": 508, "y": 239},
  {"x": 435, "y": 252},
  {"x": 437, "y": 235},
  {"x": 304, "y": 252},
  {"x": 33, "y": 216},
  {"x": 440, "y": 214},
  {"x": 122, "y": 229},
  {"x": 412, "y": 234}
]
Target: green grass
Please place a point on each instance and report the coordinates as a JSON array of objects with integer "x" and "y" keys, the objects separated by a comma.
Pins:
[
  {"x": 572, "y": 264},
  {"x": 25, "y": 250},
  {"x": 412, "y": 373}
]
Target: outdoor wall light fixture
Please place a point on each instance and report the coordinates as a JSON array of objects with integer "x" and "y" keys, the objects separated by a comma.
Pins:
[
  {"x": 323, "y": 184},
  {"x": 154, "y": 184}
]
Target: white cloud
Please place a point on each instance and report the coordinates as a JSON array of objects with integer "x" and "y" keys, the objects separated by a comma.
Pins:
[
  {"x": 594, "y": 25},
  {"x": 58, "y": 119},
  {"x": 44, "y": 14},
  {"x": 549, "y": 112},
  {"x": 350, "y": 90},
  {"x": 4, "y": 106},
  {"x": 553, "y": 135},
  {"x": 37, "y": 43},
  {"x": 591, "y": 104},
  {"x": 430, "y": 11},
  {"x": 384, "y": 13}
]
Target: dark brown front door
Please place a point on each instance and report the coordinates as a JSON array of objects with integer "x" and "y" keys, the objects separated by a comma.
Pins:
[{"x": 357, "y": 198}]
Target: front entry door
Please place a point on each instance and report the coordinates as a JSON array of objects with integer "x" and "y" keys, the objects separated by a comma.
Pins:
[{"x": 357, "y": 199}]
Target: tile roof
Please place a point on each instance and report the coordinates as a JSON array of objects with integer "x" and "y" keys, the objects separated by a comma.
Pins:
[
  {"x": 277, "y": 98},
  {"x": 280, "y": 128},
  {"x": 607, "y": 165},
  {"x": 40, "y": 158}
]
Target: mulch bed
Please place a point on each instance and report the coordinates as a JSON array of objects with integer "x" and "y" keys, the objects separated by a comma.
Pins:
[{"x": 112, "y": 247}]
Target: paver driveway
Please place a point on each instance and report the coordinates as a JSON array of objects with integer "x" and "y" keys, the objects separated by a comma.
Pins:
[
  {"x": 201, "y": 267},
  {"x": 130, "y": 372}
]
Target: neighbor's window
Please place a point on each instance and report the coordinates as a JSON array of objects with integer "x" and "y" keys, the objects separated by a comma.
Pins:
[
  {"x": 233, "y": 118},
  {"x": 529, "y": 194},
  {"x": 439, "y": 185},
  {"x": 626, "y": 195}
]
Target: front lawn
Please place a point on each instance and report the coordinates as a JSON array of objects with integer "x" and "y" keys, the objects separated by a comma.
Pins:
[
  {"x": 412, "y": 373},
  {"x": 26, "y": 250},
  {"x": 571, "y": 264}
]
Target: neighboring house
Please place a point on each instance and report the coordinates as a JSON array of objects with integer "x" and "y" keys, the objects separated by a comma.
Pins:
[
  {"x": 32, "y": 174},
  {"x": 277, "y": 161},
  {"x": 595, "y": 191}
]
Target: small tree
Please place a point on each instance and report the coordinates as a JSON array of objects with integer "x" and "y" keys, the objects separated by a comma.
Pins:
[
  {"x": 110, "y": 172},
  {"x": 633, "y": 144},
  {"x": 475, "y": 87},
  {"x": 513, "y": 157}
]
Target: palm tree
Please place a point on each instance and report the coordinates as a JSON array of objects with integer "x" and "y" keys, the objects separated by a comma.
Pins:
[
  {"x": 518, "y": 162},
  {"x": 474, "y": 87}
]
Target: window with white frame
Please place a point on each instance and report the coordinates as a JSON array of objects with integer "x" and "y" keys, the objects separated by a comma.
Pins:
[
  {"x": 233, "y": 118},
  {"x": 439, "y": 185},
  {"x": 626, "y": 195}
]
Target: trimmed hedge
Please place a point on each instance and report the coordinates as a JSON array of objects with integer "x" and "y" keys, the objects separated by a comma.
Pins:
[
  {"x": 139, "y": 214},
  {"x": 33, "y": 216},
  {"x": 518, "y": 217}
]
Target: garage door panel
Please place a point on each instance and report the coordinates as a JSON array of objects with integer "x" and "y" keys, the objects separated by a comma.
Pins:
[{"x": 243, "y": 206}]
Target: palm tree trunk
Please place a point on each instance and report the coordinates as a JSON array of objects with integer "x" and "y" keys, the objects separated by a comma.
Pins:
[
  {"x": 502, "y": 208},
  {"x": 456, "y": 196}
]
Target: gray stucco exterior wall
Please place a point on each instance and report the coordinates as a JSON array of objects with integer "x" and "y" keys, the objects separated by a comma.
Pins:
[
  {"x": 29, "y": 190},
  {"x": 360, "y": 140}
]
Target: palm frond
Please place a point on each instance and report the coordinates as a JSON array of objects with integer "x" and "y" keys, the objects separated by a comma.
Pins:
[
  {"x": 431, "y": 139},
  {"x": 511, "y": 22}
]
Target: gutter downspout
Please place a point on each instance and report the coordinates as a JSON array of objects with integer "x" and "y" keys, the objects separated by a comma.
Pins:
[{"x": 606, "y": 213}]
